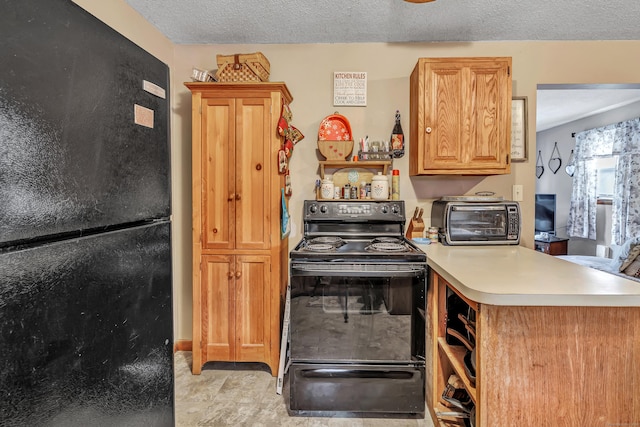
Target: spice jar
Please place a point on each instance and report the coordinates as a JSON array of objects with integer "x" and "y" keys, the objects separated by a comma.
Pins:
[{"x": 432, "y": 234}]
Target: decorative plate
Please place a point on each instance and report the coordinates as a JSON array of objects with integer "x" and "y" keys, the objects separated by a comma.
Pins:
[{"x": 335, "y": 127}]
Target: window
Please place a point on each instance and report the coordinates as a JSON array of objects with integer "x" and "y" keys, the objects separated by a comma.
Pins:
[{"x": 605, "y": 176}]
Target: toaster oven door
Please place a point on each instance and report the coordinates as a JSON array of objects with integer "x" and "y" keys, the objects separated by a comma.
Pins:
[{"x": 482, "y": 224}]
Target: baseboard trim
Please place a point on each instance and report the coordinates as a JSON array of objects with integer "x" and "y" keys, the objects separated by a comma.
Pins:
[{"x": 183, "y": 345}]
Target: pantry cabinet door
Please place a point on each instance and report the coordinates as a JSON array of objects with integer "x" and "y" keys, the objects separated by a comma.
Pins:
[
  {"x": 253, "y": 168},
  {"x": 253, "y": 296},
  {"x": 217, "y": 307},
  {"x": 218, "y": 179}
]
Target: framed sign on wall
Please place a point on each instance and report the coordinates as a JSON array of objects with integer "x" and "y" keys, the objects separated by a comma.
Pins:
[
  {"x": 349, "y": 89},
  {"x": 519, "y": 129}
]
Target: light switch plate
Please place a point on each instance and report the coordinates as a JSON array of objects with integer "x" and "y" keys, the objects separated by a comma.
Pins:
[{"x": 517, "y": 192}]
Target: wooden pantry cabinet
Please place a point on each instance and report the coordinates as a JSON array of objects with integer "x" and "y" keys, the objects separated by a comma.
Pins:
[
  {"x": 239, "y": 258},
  {"x": 460, "y": 116}
]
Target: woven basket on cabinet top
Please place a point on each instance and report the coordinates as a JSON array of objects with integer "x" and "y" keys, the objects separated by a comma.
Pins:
[{"x": 251, "y": 67}]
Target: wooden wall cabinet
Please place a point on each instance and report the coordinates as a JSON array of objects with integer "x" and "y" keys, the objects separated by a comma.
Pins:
[
  {"x": 460, "y": 116},
  {"x": 239, "y": 258}
]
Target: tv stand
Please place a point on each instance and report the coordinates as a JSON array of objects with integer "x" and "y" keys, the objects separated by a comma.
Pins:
[{"x": 551, "y": 245}]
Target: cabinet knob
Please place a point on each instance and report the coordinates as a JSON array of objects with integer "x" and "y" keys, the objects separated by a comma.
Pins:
[
  {"x": 237, "y": 197},
  {"x": 428, "y": 129},
  {"x": 238, "y": 274},
  {"x": 230, "y": 275},
  {"x": 258, "y": 167},
  {"x": 231, "y": 197},
  {"x": 215, "y": 230}
]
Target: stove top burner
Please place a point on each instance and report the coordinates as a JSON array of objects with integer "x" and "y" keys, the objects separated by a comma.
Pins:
[
  {"x": 387, "y": 240},
  {"x": 386, "y": 247},
  {"x": 330, "y": 240},
  {"x": 319, "y": 247},
  {"x": 323, "y": 244}
]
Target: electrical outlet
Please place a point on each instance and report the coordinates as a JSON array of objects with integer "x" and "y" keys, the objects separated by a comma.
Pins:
[{"x": 517, "y": 193}]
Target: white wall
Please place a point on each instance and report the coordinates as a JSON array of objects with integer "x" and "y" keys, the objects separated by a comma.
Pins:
[{"x": 561, "y": 183}]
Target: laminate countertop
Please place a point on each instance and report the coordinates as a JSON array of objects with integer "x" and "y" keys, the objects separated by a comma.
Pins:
[{"x": 518, "y": 276}]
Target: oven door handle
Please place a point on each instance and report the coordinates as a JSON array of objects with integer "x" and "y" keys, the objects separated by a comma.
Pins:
[
  {"x": 478, "y": 208},
  {"x": 346, "y": 373}
]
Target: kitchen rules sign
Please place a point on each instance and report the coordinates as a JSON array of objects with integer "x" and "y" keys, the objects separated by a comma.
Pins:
[{"x": 349, "y": 89}]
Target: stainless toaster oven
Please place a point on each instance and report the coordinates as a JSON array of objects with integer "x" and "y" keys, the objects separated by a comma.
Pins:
[{"x": 476, "y": 221}]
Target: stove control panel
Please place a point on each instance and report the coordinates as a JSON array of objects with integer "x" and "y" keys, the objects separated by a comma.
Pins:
[{"x": 326, "y": 210}]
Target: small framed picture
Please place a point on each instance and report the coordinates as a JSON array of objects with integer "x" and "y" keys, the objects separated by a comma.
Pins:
[{"x": 519, "y": 129}]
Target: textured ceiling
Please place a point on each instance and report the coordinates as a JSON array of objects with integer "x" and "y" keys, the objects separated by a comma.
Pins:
[
  {"x": 389, "y": 21},
  {"x": 362, "y": 21},
  {"x": 562, "y": 105}
]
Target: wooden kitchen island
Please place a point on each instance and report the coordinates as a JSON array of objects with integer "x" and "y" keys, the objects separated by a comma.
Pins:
[{"x": 557, "y": 344}]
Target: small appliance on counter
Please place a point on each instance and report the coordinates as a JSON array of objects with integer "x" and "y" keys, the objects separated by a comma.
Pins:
[{"x": 476, "y": 220}]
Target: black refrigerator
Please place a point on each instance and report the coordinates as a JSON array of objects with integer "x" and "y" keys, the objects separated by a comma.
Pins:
[{"x": 85, "y": 245}]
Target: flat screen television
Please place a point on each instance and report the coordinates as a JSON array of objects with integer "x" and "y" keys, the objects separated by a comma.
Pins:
[{"x": 545, "y": 214}]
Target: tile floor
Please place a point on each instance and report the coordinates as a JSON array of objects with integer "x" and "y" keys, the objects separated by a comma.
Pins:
[{"x": 245, "y": 395}]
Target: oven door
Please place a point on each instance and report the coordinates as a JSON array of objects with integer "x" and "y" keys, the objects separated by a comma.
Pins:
[
  {"x": 358, "y": 343},
  {"x": 358, "y": 319}
]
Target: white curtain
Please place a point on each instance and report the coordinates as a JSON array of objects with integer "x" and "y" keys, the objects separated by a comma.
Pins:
[{"x": 621, "y": 139}]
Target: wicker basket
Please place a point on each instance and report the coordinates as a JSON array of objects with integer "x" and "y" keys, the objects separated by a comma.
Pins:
[{"x": 251, "y": 67}]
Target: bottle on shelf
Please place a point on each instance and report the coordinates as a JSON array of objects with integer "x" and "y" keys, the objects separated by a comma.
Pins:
[
  {"x": 363, "y": 190},
  {"x": 395, "y": 184},
  {"x": 397, "y": 138}
]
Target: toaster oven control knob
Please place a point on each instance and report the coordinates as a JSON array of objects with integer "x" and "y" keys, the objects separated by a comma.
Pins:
[
  {"x": 313, "y": 208},
  {"x": 385, "y": 209},
  {"x": 324, "y": 209},
  {"x": 395, "y": 209}
]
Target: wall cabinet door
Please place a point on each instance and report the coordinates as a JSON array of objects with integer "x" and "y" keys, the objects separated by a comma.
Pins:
[
  {"x": 460, "y": 116},
  {"x": 235, "y": 308},
  {"x": 235, "y": 164}
]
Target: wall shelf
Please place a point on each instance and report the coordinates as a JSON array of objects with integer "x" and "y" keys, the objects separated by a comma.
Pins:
[{"x": 384, "y": 165}]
